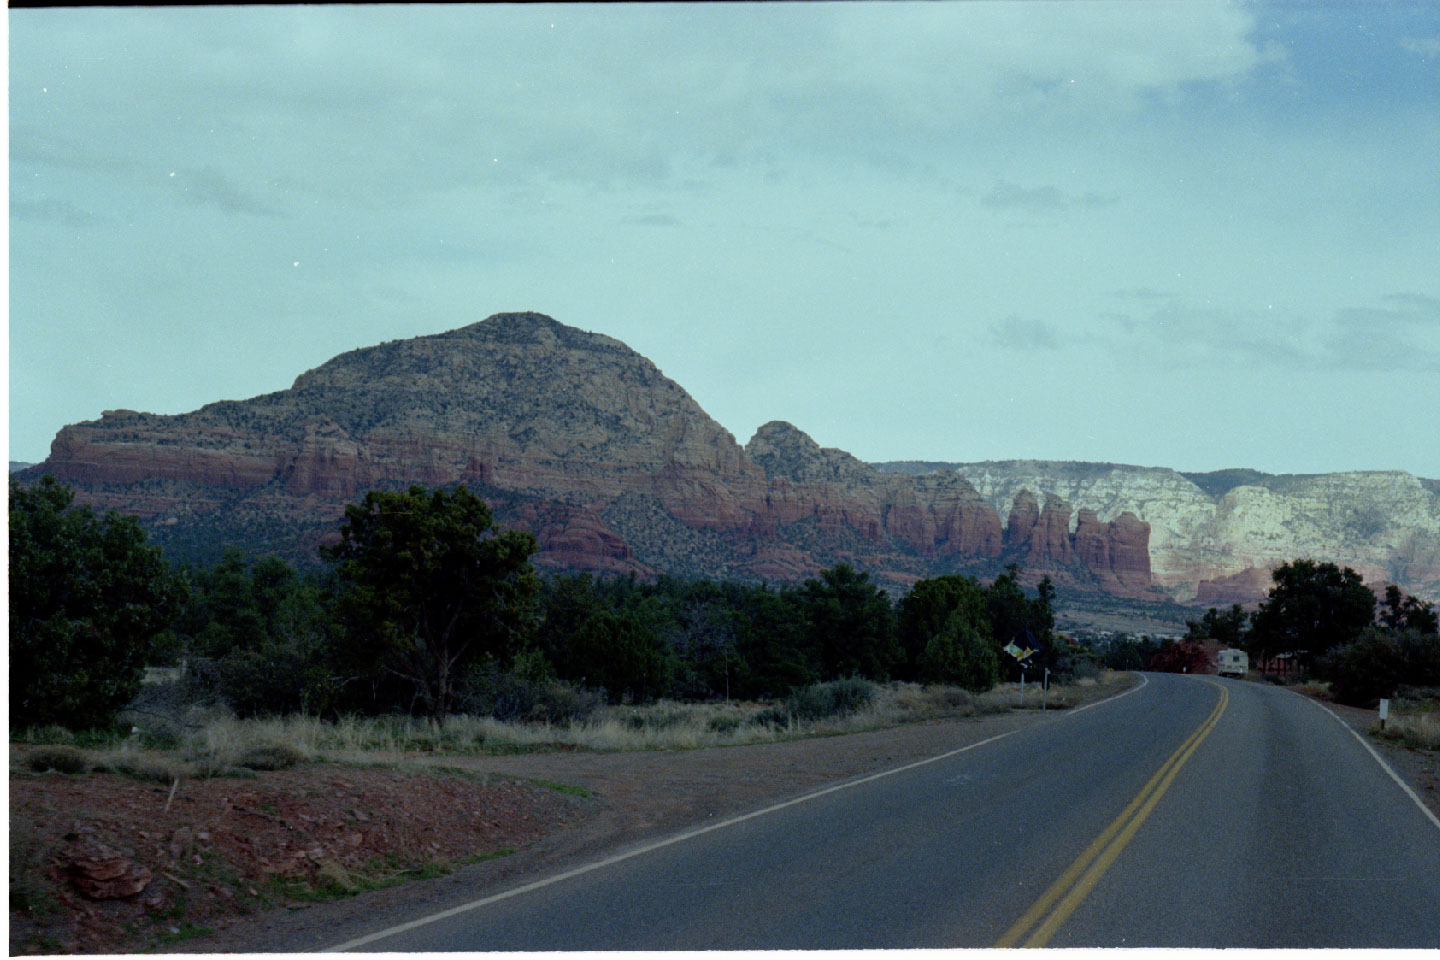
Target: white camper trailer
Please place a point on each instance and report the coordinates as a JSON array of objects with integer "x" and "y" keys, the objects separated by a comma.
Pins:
[{"x": 1233, "y": 663}]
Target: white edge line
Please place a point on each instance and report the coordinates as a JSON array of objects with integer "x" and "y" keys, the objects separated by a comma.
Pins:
[
  {"x": 1378, "y": 759},
  {"x": 691, "y": 834}
]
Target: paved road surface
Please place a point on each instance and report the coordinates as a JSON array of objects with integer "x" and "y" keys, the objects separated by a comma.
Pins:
[{"x": 1187, "y": 812}]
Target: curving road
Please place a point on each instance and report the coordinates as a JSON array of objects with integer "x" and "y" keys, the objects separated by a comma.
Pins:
[{"x": 1187, "y": 812}]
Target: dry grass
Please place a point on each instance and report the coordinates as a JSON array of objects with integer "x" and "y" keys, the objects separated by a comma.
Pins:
[
  {"x": 229, "y": 746},
  {"x": 1416, "y": 730}
]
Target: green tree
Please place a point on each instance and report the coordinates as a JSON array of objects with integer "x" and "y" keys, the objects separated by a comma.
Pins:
[
  {"x": 771, "y": 644},
  {"x": 1367, "y": 668},
  {"x": 621, "y": 652},
  {"x": 1016, "y": 618},
  {"x": 929, "y": 606},
  {"x": 87, "y": 599},
  {"x": 961, "y": 654},
  {"x": 262, "y": 637},
  {"x": 1312, "y": 609},
  {"x": 850, "y": 624},
  {"x": 427, "y": 582},
  {"x": 1401, "y": 612},
  {"x": 1227, "y": 628}
]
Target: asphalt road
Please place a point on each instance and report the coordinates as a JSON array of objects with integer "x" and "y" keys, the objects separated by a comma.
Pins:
[{"x": 1187, "y": 812}]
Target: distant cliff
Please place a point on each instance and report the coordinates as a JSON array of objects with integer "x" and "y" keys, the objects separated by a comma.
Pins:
[
  {"x": 1214, "y": 536},
  {"x": 577, "y": 438}
]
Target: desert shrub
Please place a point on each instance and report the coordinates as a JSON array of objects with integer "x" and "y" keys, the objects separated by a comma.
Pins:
[
  {"x": 527, "y": 692},
  {"x": 724, "y": 725},
  {"x": 49, "y": 733},
  {"x": 60, "y": 758},
  {"x": 773, "y": 716},
  {"x": 1363, "y": 671},
  {"x": 661, "y": 719},
  {"x": 271, "y": 756},
  {"x": 838, "y": 698}
]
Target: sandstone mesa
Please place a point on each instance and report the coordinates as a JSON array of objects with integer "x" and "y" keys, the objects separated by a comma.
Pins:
[{"x": 616, "y": 469}]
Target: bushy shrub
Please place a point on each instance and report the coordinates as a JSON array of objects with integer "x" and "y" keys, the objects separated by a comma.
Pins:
[
  {"x": 60, "y": 758},
  {"x": 1363, "y": 671},
  {"x": 655, "y": 719},
  {"x": 526, "y": 692},
  {"x": 724, "y": 724},
  {"x": 838, "y": 698},
  {"x": 271, "y": 756}
]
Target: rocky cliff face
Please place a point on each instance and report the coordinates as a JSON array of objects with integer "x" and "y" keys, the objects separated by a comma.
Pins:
[
  {"x": 1214, "y": 537},
  {"x": 568, "y": 434}
]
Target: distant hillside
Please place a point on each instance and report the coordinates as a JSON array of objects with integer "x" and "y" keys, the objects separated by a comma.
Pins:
[
  {"x": 1214, "y": 536},
  {"x": 16, "y": 466},
  {"x": 616, "y": 469},
  {"x": 569, "y": 434}
]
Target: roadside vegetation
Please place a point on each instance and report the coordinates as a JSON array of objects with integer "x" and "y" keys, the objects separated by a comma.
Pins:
[
  {"x": 1319, "y": 624},
  {"x": 429, "y": 611},
  {"x": 230, "y": 746}
]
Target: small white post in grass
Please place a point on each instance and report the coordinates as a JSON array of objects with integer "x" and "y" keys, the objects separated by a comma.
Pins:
[{"x": 1384, "y": 711}]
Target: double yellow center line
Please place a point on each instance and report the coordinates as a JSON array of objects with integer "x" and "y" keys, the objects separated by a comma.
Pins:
[{"x": 1081, "y": 876}]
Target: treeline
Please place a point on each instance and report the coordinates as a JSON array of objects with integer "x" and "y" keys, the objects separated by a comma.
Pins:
[
  {"x": 429, "y": 609},
  {"x": 1318, "y": 620}
]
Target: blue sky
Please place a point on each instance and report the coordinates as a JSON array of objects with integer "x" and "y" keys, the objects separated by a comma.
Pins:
[{"x": 1171, "y": 234}]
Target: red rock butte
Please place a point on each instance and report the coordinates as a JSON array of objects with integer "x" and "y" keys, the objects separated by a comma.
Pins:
[{"x": 579, "y": 439}]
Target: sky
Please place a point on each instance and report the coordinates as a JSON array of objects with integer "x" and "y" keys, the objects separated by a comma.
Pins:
[{"x": 1192, "y": 235}]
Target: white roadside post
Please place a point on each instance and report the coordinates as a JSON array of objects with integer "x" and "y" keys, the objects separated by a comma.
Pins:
[{"x": 1384, "y": 711}]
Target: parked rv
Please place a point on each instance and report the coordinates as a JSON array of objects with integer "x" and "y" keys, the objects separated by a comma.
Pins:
[{"x": 1232, "y": 663}]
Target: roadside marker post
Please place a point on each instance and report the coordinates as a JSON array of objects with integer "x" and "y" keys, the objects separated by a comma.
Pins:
[
  {"x": 1384, "y": 711},
  {"x": 1020, "y": 657}
]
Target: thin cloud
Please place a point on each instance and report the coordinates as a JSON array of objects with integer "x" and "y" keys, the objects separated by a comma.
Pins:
[
  {"x": 208, "y": 187},
  {"x": 1424, "y": 46},
  {"x": 1044, "y": 199},
  {"x": 51, "y": 210},
  {"x": 1396, "y": 337},
  {"x": 1147, "y": 294},
  {"x": 651, "y": 220},
  {"x": 1010, "y": 196},
  {"x": 1019, "y": 333}
]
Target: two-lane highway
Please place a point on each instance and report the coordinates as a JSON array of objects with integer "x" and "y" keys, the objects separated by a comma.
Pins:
[{"x": 1187, "y": 812}]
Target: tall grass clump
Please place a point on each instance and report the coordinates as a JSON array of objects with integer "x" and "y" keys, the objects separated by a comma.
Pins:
[
  {"x": 1416, "y": 730},
  {"x": 838, "y": 698}
]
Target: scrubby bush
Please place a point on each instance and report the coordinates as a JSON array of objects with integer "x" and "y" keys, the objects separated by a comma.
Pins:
[
  {"x": 1363, "y": 671},
  {"x": 838, "y": 698},
  {"x": 60, "y": 758},
  {"x": 271, "y": 756},
  {"x": 528, "y": 692}
]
